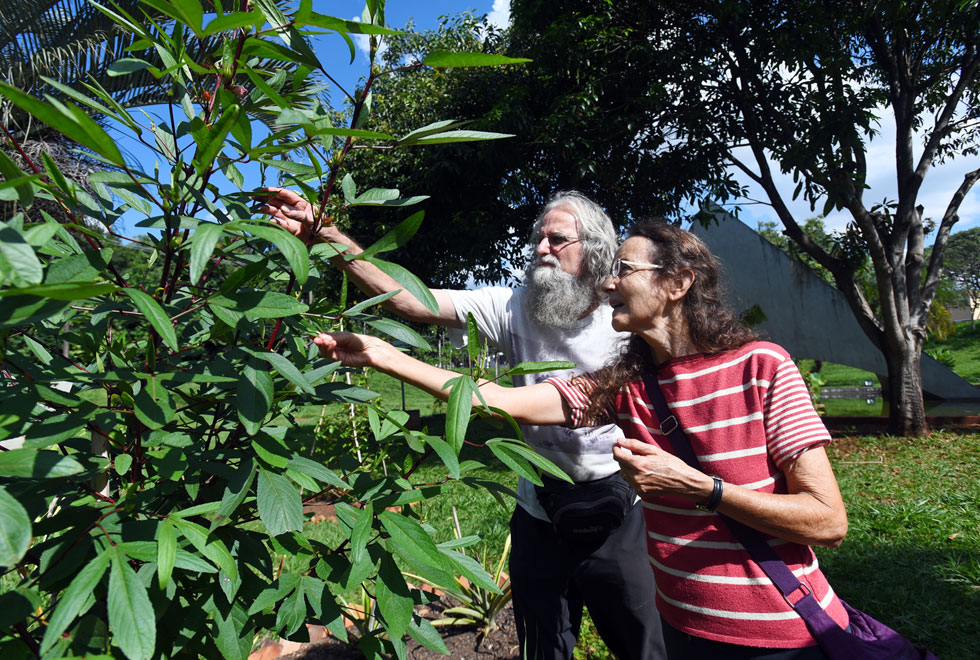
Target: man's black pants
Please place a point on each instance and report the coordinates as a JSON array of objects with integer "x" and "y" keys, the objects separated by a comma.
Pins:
[{"x": 550, "y": 583}]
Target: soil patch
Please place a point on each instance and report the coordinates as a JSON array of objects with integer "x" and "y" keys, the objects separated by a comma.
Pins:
[{"x": 462, "y": 642}]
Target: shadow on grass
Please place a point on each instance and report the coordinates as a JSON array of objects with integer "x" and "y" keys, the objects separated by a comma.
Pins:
[{"x": 905, "y": 588}]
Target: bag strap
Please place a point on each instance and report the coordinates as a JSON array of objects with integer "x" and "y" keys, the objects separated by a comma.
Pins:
[{"x": 823, "y": 627}]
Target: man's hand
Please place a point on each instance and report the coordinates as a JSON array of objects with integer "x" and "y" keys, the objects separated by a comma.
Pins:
[
  {"x": 653, "y": 472},
  {"x": 354, "y": 350},
  {"x": 295, "y": 214}
]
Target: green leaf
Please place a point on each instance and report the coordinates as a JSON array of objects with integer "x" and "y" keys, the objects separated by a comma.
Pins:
[
  {"x": 400, "y": 331},
  {"x": 425, "y": 634},
  {"x": 340, "y": 25},
  {"x": 393, "y": 598},
  {"x": 230, "y": 640},
  {"x": 260, "y": 304},
  {"x": 64, "y": 290},
  {"x": 458, "y": 411},
  {"x": 351, "y": 132},
  {"x": 408, "y": 281},
  {"x": 524, "y": 368},
  {"x": 234, "y": 21},
  {"x": 131, "y": 617},
  {"x": 68, "y": 120},
  {"x": 318, "y": 471},
  {"x": 286, "y": 369},
  {"x": 429, "y": 129},
  {"x": 73, "y": 599},
  {"x": 384, "y": 197},
  {"x": 209, "y": 144},
  {"x": 445, "y": 453},
  {"x": 155, "y": 315},
  {"x": 448, "y": 59},
  {"x": 397, "y": 237},
  {"x": 360, "y": 533},
  {"x": 15, "y": 530},
  {"x": 23, "y": 310},
  {"x": 412, "y": 540},
  {"x": 126, "y": 65},
  {"x": 293, "y": 249},
  {"x": 187, "y": 12},
  {"x": 18, "y": 263},
  {"x": 473, "y": 343},
  {"x": 37, "y": 464},
  {"x": 527, "y": 453},
  {"x": 255, "y": 391},
  {"x": 166, "y": 552},
  {"x": 23, "y": 193},
  {"x": 280, "y": 505},
  {"x": 376, "y": 300},
  {"x": 462, "y": 136},
  {"x": 153, "y": 404},
  {"x": 203, "y": 240}
]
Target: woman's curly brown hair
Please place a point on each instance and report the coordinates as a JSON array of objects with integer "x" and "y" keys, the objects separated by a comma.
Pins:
[{"x": 713, "y": 325}]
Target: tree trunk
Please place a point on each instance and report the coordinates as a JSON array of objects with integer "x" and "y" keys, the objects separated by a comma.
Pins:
[{"x": 907, "y": 413}]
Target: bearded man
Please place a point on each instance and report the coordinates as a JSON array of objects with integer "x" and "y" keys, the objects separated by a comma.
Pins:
[{"x": 557, "y": 315}]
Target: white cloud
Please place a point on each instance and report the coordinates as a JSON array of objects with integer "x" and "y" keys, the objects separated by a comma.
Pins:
[
  {"x": 499, "y": 16},
  {"x": 363, "y": 44}
]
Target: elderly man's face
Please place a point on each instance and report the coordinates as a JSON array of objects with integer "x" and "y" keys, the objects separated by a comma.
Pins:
[{"x": 558, "y": 245}]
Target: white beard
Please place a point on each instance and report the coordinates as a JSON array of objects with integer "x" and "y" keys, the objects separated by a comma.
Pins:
[{"x": 556, "y": 299}]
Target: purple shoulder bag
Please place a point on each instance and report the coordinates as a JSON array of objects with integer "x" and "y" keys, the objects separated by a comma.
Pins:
[{"x": 866, "y": 638}]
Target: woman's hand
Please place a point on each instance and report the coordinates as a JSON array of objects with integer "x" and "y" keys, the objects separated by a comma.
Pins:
[
  {"x": 354, "y": 350},
  {"x": 653, "y": 472}
]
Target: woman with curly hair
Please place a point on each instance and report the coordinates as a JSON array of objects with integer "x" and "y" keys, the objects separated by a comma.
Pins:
[{"x": 747, "y": 414}]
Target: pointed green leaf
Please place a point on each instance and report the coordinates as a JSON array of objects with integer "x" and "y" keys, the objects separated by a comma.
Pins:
[
  {"x": 397, "y": 237},
  {"x": 68, "y": 120},
  {"x": 538, "y": 367},
  {"x": 409, "y": 282},
  {"x": 255, "y": 391},
  {"x": 260, "y": 304},
  {"x": 473, "y": 343},
  {"x": 458, "y": 411},
  {"x": 370, "y": 302},
  {"x": 293, "y": 249},
  {"x": 203, "y": 240},
  {"x": 64, "y": 290},
  {"x": 280, "y": 505},
  {"x": 15, "y": 530},
  {"x": 393, "y": 598},
  {"x": 361, "y": 532},
  {"x": 448, "y": 59},
  {"x": 462, "y": 136},
  {"x": 155, "y": 315},
  {"x": 22, "y": 310},
  {"x": 318, "y": 471},
  {"x": 18, "y": 263},
  {"x": 211, "y": 143},
  {"x": 35, "y": 464},
  {"x": 153, "y": 404},
  {"x": 401, "y": 332},
  {"x": 131, "y": 617},
  {"x": 166, "y": 552},
  {"x": 73, "y": 600},
  {"x": 445, "y": 453},
  {"x": 286, "y": 369}
]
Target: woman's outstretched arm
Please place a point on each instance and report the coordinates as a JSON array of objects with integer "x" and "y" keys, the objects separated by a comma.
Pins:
[{"x": 533, "y": 404}]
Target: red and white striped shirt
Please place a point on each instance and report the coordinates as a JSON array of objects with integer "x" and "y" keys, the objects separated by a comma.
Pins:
[{"x": 746, "y": 412}]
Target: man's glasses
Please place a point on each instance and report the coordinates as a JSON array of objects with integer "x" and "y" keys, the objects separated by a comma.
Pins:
[
  {"x": 556, "y": 239},
  {"x": 621, "y": 267}
]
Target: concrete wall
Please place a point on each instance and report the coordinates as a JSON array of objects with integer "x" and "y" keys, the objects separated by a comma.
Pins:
[{"x": 807, "y": 316}]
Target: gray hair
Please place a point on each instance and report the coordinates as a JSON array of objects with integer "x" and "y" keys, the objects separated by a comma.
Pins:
[{"x": 595, "y": 230}]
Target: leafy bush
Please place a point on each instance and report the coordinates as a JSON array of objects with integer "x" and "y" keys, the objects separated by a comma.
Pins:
[{"x": 159, "y": 488}]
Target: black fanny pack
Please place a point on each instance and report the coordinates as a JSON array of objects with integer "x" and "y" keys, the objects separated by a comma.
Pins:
[{"x": 585, "y": 513}]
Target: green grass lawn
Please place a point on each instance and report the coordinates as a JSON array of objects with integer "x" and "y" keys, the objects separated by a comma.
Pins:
[{"x": 912, "y": 555}]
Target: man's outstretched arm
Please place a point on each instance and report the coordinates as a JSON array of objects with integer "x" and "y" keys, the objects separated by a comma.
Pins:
[{"x": 295, "y": 214}]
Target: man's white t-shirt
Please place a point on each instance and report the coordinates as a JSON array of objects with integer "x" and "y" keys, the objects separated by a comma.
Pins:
[{"x": 586, "y": 453}]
